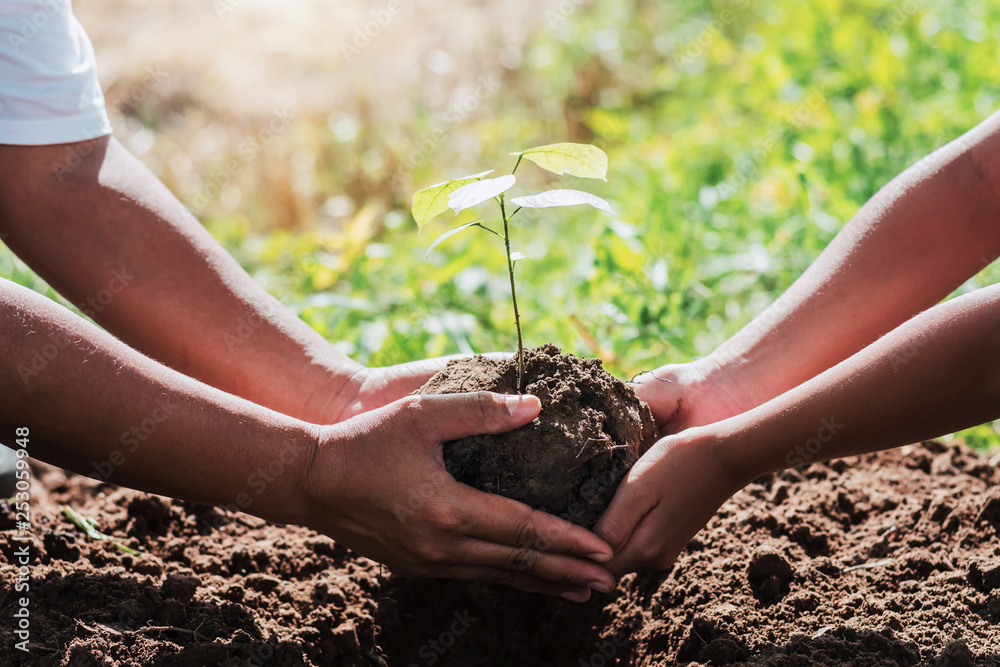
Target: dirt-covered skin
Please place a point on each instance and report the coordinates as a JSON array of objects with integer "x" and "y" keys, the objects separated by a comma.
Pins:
[
  {"x": 571, "y": 458},
  {"x": 762, "y": 586}
]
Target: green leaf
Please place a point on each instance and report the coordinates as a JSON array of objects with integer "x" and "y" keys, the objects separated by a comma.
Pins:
[
  {"x": 452, "y": 232},
  {"x": 433, "y": 201},
  {"x": 581, "y": 160},
  {"x": 552, "y": 198},
  {"x": 477, "y": 192}
]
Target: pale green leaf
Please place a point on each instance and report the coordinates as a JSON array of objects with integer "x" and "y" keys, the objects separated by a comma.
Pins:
[
  {"x": 433, "y": 200},
  {"x": 552, "y": 198},
  {"x": 452, "y": 232},
  {"x": 581, "y": 160},
  {"x": 514, "y": 256},
  {"x": 477, "y": 192}
]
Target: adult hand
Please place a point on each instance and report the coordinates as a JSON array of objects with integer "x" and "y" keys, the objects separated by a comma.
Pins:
[
  {"x": 378, "y": 484},
  {"x": 685, "y": 395},
  {"x": 666, "y": 498},
  {"x": 372, "y": 388}
]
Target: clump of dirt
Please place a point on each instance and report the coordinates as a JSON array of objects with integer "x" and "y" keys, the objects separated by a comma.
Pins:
[
  {"x": 570, "y": 459},
  {"x": 768, "y": 582}
]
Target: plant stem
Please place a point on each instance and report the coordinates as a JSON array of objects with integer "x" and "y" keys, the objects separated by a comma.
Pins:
[
  {"x": 516, "y": 164},
  {"x": 513, "y": 297}
]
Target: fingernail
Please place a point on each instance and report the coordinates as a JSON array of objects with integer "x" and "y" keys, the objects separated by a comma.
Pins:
[
  {"x": 522, "y": 406},
  {"x": 599, "y": 586},
  {"x": 573, "y": 596},
  {"x": 599, "y": 557}
]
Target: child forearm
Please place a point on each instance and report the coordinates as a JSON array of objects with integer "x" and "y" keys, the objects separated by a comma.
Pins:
[
  {"x": 912, "y": 244},
  {"x": 935, "y": 374}
]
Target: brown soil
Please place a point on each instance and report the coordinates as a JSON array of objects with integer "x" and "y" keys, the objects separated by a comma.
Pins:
[
  {"x": 763, "y": 584},
  {"x": 570, "y": 459}
]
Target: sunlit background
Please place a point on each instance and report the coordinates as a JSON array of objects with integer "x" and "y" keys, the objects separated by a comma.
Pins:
[{"x": 742, "y": 135}]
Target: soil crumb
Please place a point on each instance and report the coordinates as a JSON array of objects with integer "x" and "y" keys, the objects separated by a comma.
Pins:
[{"x": 570, "y": 459}]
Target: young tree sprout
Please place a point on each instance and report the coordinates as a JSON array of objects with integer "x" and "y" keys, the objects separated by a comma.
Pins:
[{"x": 458, "y": 194}]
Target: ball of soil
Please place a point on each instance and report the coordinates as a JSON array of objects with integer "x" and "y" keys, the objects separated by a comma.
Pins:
[{"x": 570, "y": 459}]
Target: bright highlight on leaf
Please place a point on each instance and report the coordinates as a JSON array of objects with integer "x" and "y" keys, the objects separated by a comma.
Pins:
[
  {"x": 514, "y": 256},
  {"x": 432, "y": 201},
  {"x": 477, "y": 192},
  {"x": 552, "y": 198},
  {"x": 581, "y": 160},
  {"x": 452, "y": 232}
]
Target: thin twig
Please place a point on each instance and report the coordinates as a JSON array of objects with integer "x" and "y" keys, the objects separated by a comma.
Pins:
[{"x": 867, "y": 566}]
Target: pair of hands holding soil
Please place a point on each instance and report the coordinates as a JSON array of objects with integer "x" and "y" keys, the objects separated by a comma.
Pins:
[{"x": 396, "y": 502}]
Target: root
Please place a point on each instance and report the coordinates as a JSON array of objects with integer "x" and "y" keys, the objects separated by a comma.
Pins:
[
  {"x": 586, "y": 445},
  {"x": 655, "y": 377}
]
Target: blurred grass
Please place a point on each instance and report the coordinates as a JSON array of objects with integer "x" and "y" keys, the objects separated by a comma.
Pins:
[{"x": 742, "y": 136}]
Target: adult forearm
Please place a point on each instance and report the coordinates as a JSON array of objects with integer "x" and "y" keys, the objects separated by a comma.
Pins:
[
  {"x": 96, "y": 406},
  {"x": 911, "y": 245},
  {"x": 111, "y": 238},
  {"x": 935, "y": 374}
]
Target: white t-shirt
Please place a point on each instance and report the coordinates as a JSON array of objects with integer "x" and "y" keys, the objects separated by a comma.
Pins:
[{"x": 49, "y": 93}]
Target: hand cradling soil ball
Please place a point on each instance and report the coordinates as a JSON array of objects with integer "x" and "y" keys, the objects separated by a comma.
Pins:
[{"x": 571, "y": 458}]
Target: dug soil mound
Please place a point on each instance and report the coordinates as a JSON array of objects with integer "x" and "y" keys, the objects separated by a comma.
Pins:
[
  {"x": 774, "y": 579},
  {"x": 570, "y": 459}
]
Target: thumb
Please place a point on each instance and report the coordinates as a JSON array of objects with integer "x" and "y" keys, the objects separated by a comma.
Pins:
[
  {"x": 621, "y": 517},
  {"x": 453, "y": 416}
]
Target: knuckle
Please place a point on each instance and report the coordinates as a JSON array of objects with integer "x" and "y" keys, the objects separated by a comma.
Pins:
[
  {"x": 448, "y": 520},
  {"x": 523, "y": 560},
  {"x": 481, "y": 409},
  {"x": 431, "y": 554},
  {"x": 415, "y": 419},
  {"x": 525, "y": 533}
]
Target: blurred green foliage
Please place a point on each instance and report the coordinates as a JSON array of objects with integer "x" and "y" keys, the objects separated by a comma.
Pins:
[{"x": 742, "y": 135}]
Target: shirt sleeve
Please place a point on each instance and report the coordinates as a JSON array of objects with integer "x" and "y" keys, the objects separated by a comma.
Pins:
[{"x": 49, "y": 93}]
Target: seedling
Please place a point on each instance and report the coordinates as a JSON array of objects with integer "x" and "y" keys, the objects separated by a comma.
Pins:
[
  {"x": 459, "y": 194},
  {"x": 89, "y": 526}
]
